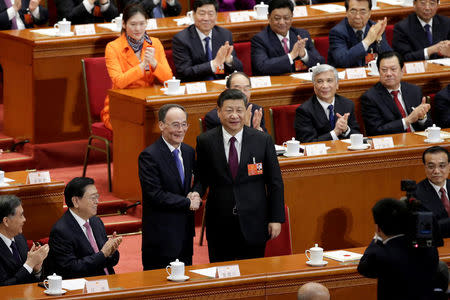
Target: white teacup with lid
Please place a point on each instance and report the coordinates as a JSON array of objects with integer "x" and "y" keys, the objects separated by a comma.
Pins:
[
  {"x": 63, "y": 26},
  {"x": 176, "y": 269},
  {"x": 292, "y": 147},
  {"x": 262, "y": 10},
  {"x": 315, "y": 255},
  {"x": 172, "y": 85},
  {"x": 433, "y": 134},
  {"x": 53, "y": 284}
]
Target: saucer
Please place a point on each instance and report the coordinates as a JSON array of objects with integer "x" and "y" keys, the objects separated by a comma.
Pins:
[
  {"x": 292, "y": 155},
  {"x": 321, "y": 264},
  {"x": 70, "y": 33},
  {"x": 179, "y": 92},
  {"x": 359, "y": 147},
  {"x": 370, "y": 73},
  {"x": 433, "y": 141},
  {"x": 260, "y": 18},
  {"x": 181, "y": 279},
  {"x": 61, "y": 292}
]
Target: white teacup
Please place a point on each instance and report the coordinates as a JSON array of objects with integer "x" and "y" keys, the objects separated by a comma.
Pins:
[
  {"x": 176, "y": 269},
  {"x": 53, "y": 283},
  {"x": 356, "y": 139},
  {"x": 373, "y": 66},
  {"x": 63, "y": 26},
  {"x": 313, "y": 68},
  {"x": 261, "y": 10},
  {"x": 408, "y": 2},
  {"x": 292, "y": 147},
  {"x": 190, "y": 15},
  {"x": 118, "y": 22},
  {"x": 172, "y": 85},
  {"x": 374, "y": 4},
  {"x": 433, "y": 133},
  {"x": 315, "y": 254}
]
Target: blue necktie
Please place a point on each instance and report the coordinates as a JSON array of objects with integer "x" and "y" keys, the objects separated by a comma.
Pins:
[
  {"x": 428, "y": 32},
  {"x": 179, "y": 165},
  {"x": 207, "y": 48},
  {"x": 157, "y": 11},
  {"x": 15, "y": 252},
  {"x": 331, "y": 115}
]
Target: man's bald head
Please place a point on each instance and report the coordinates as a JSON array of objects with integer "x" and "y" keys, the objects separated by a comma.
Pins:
[{"x": 313, "y": 291}]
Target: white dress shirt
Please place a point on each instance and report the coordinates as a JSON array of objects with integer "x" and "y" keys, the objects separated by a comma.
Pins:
[
  {"x": 172, "y": 148},
  {"x": 237, "y": 143},
  {"x": 327, "y": 113},
  {"x": 13, "y": 14},
  {"x": 280, "y": 37}
]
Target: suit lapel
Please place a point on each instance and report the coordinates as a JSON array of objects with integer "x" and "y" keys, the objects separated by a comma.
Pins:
[
  {"x": 322, "y": 118},
  {"x": 275, "y": 43},
  {"x": 197, "y": 44},
  {"x": 417, "y": 28},
  {"x": 8, "y": 254},
  {"x": 216, "y": 42},
  {"x": 187, "y": 167},
  {"x": 78, "y": 232},
  {"x": 406, "y": 99},
  {"x": 219, "y": 149},
  {"x": 385, "y": 97},
  {"x": 245, "y": 152},
  {"x": 96, "y": 232}
]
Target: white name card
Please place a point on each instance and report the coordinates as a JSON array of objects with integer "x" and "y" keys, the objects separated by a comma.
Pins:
[
  {"x": 38, "y": 177},
  {"x": 300, "y": 11},
  {"x": 261, "y": 81},
  {"x": 239, "y": 16},
  {"x": 355, "y": 73},
  {"x": 96, "y": 286},
  {"x": 415, "y": 67},
  {"x": 196, "y": 88},
  {"x": 86, "y": 29},
  {"x": 383, "y": 143},
  {"x": 151, "y": 24},
  {"x": 316, "y": 149},
  {"x": 228, "y": 271}
]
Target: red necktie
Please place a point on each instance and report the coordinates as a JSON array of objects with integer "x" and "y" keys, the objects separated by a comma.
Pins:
[
  {"x": 233, "y": 158},
  {"x": 285, "y": 45},
  {"x": 400, "y": 107},
  {"x": 445, "y": 200},
  {"x": 92, "y": 240}
]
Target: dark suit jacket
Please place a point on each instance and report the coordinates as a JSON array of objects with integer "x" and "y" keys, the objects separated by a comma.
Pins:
[
  {"x": 442, "y": 107},
  {"x": 410, "y": 38},
  {"x": 381, "y": 115},
  {"x": 345, "y": 51},
  {"x": 166, "y": 220},
  {"x": 5, "y": 23},
  {"x": 71, "y": 255},
  {"x": 12, "y": 272},
  {"x": 148, "y": 5},
  {"x": 259, "y": 199},
  {"x": 403, "y": 272},
  {"x": 74, "y": 11},
  {"x": 312, "y": 125},
  {"x": 269, "y": 58},
  {"x": 430, "y": 201},
  {"x": 212, "y": 119},
  {"x": 190, "y": 58}
]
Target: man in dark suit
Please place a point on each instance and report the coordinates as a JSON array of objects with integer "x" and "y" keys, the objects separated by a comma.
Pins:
[
  {"x": 204, "y": 51},
  {"x": 442, "y": 107},
  {"x": 245, "y": 205},
  {"x": 156, "y": 8},
  {"x": 433, "y": 192},
  {"x": 392, "y": 106},
  {"x": 326, "y": 115},
  {"x": 254, "y": 115},
  {"x": 78, "y": 243},
  {"x": 355, "y": 40},
  {"x": 17, "y": 264},
  {"x": 423, "y": 34},
  {"x": 86, "y": 11},
  {"x": 22, "y": 14},
  {"x": 403, "y": 271},
  {"x": 279, "y": 48},
  {"x": 165, "y": 171}
]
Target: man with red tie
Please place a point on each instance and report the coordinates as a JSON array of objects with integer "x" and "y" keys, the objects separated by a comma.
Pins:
[
  {"x": 433, "y": 192},
  {"x": 21, "y": 14},
  {"x": 391, "y": 105}
]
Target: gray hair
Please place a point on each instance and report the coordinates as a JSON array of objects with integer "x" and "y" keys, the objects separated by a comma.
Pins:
[{"x": 324, "y": 68}]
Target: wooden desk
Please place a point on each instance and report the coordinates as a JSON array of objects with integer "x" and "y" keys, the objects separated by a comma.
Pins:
[
  {"x": 264, "y": 278},
  {"x": 134, "y": 113},
  {"x": 43, "y": 89},
  {"x": 42, "y": 203}
]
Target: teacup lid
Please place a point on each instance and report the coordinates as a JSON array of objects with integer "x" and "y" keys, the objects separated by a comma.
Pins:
[
  {"x": 54, "y": 277},
  {"x": 173, "y": 79},
  {"x": 434, "y": 127},
  {"x": 64, "y": 21},
  {"x": 293, "y": 141},
  {"x": 316, "y": 248},
  {"x": 262, "y": 4},
  {"x": 177, "y": 263}
]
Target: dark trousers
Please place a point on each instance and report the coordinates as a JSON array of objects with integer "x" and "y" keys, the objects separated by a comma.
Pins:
[
  {"x": 153, "y": 260},
  {"x": 226, "y": 242}
]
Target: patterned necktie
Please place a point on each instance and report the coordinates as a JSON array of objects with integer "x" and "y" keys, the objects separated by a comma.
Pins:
[
  {"x": 233, "y": 158},
  {"x": 92, "y": 240},
  {"x": 445, "y": 200},
  {"x": 15, "y": 252},
  {"x": 179, "y": 165},
  {"x": 13, "y": 21},
  {"x": 285, "y": 45},
  {"x": 427, "y": 28},
  {"x": 207, "y": 48},
  {"x": 400, "y": 107},
  {"x": 331, "y": 116}
]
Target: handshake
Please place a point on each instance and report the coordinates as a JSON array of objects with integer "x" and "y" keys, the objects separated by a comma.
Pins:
[{"x": 196, "y": 201}]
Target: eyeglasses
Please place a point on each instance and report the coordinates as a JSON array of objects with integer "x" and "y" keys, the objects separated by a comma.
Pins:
[
  {"x": 441, "y": 167},
  {"x": 361, "y": 12},
  {"x": 431, "y": 3},
  {"x": 178, "y": 126}
]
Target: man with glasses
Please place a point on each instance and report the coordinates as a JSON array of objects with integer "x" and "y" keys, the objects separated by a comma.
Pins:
[
  {"x": 166, "y": 172},
  {"x": 356, "y": 40},
  {"x": 423, "y": 34},
  {"x": 78, "y": 243},
  {"x": 280, "y": 48},
  {"x": 433, "y": 192}
]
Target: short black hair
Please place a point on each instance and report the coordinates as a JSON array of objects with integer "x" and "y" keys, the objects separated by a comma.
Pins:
[
  {"x": 275, "y": 4},
  {"x": 231, "y": 76},
  {"x": 8, "y": 205},
  {"x": 76, "y": 188},
  {"x": 390, "y": 54},
  {"x": 133, "y": 8},
  {"x": 347, "y": 4},
  {"x": 231, "y": 94},
  {"x": 200, "y": 3},
  {"x": 166, "y": 107},
  {"x": 435, "y": 149},
  {"x": 391, "y": 216}
]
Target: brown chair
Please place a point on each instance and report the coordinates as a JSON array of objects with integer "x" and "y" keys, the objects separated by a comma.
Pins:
[{"x": 96, "y": 83}]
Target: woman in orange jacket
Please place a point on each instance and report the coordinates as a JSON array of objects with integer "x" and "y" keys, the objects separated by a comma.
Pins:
[{"x": 134, "y": 59}]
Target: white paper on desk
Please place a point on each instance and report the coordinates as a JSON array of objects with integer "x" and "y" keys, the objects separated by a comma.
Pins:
[
  {"x": 85, "y": 29},
  {"x": 260, "y": 81},
  {"x": 415, "y": 67},
  {"x": 391, "y": 2},
  {"x": 8, "y": 180},
  {"x": 342, "y": 255},
  {"x": 196, "y": 88},
  {"x": 356, "y": 73},
  {"x": 110, "y": 26},
  {"x": 444, "y": 135},
  {"x": 221, "y": 81},
  {"x": 239, "y": 16},
  {"x": 184, "y": 21},
  {"x": 151, "y": 24},
  {"x": 383, "y": 143},
  {"x": 46, "y": 31},
  {"x": 331, "y": 8},
  {"x": 208, "y": 272},
  {"x": 316, "y": 149},
  {"x": 74, "y": 284},
  {"x": 440, "y": 61},
  {"x": 300, "y": 11}
]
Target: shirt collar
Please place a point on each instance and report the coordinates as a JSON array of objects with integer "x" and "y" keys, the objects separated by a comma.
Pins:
[
  {"x": 437, "y": 188},
  {"x": 7, "y": 240},
  {"x": 280, "y": 37},
  {"x": 79, "y": 219},
  {"x": 325, "y": 104},
  {"x": 171, "y": 148},
  {"x": 391, "y": 238},
  {"x": 227, "y": 136},
  {"x": 201, "y": 35},
  {"x": 423, "y": 23},
  {"x": 399, "y": 89}
]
